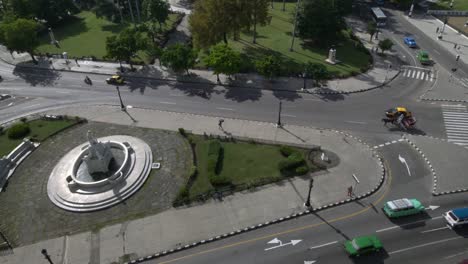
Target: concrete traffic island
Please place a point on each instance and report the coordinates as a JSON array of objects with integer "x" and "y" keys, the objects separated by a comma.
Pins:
[{"x": 100, "y": 173}]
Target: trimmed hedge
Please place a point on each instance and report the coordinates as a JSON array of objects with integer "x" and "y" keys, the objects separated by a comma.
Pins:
[
  {"x": 18, "y": 131},
  {"x": 302, "y": 170},
  {"x": 287, "y": 150},
  {"x": 214, "y": 161}
]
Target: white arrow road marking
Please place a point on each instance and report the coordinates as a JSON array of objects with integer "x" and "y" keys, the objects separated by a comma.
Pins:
[
  {"x": 292, "y": 243},
  {"x": 404, "y": 161},
  {"x": 432, "y": 207},
  {"x": 275, "y": 241},
  {"x": 423, "y": 245},
  {"x": 323, "y": 245},
  {"x": 435, "y": 229},
  {"x": 309, "y": 261}
]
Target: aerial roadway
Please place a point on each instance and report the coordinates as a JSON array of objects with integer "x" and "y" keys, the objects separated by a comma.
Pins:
[{"x": 318, "y": 237}]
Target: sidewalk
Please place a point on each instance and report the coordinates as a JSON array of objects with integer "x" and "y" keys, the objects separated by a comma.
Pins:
[
  {"x": 374, "y": 78},
  {"x": 174, "y": 228}
]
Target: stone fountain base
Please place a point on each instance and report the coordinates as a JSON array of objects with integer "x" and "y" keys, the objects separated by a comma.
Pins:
[{"x": 68, "y": 191}]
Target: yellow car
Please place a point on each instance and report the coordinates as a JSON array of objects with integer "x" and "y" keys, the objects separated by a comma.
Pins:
[{"x": 115, "y": 79}]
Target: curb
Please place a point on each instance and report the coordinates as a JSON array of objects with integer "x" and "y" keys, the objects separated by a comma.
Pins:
[
  {"x": 210, "y": 83},
  {"x": 277, "y": 220},
  {"x": 434, "y": 174},
  {"x": 444, "y": 100}
]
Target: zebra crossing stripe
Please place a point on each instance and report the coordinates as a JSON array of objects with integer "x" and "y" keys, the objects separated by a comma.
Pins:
[
  {"x": 414, "y": 74},
  {"x": 456, "y": 123}
]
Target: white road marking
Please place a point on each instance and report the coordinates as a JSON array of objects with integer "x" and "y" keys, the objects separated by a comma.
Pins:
[
  {"x": 356, "y": 122},
  {"x": 436, "y": 51},
  {"x": 172, "y": 94},
  {"x": 288, "y": 115},
  {"x": 456, "y": 255},
  {"x": 227, "y": 109},
  {"x": 10, "y": 104},
  {"x": 424, "y": 245},
  {"x": 63, "y": 92},
  {"x": 31, "y": 106},
  {"x": 435, "y": 229},
  {"x": 412, "y": 223},
  {"x": 323, "y": 245},
  {"x": 170, "y": 103}
]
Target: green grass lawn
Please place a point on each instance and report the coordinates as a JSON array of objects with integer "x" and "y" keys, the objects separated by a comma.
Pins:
[
  {"x": 459, "y": 5},
  {"x": 85, "y": 35},
  {"x": 276, "y": 38},
  {"x": 243, "y": 163},
  {"x": 40, "y": 130}
]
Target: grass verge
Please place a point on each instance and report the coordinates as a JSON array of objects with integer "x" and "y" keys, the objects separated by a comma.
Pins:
[{"x": 40, "y": 130}]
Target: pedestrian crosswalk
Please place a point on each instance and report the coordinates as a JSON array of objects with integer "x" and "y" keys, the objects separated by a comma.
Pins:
[
  {"x": 456, "y": 123},
  {"x": 418, "y": 73}
]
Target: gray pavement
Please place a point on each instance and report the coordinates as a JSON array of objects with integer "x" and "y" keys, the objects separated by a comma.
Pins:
[
  {"x": 170, "y": 228},
  {"x": 449, "y": 168}
]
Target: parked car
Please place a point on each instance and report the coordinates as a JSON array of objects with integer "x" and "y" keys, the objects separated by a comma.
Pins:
[
  {"x": 362, "y": 245},
  {"x": 423, "y": 58},
  {"x": 403, "y": 207},
  {"x": 410, "y": 42},
  {"x": 115, "y": 79}
]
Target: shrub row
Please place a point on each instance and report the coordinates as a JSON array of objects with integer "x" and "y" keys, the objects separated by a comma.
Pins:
[
  {"x": 18, "y": 131},
  {"x": 294, "y": 163}
]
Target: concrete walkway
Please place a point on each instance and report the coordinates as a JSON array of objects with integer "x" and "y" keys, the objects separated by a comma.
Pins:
[{"x": 174, "y": 227}]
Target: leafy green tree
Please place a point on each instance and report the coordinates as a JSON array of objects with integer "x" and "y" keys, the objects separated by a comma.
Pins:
[
  {"x": 315, "y": 71},
  {"x": 223, "y": 60},
  {"x": 258, "y": 10},
  {"x": 125, "y": 45},
  {"x": 20, "y": 35},
  {"x": 52, "y": 11},
  {"x": 153, "y": 51},
  {"x": 319, "y": 20},
  {"x": 155, "y": 11},
  {"x": 371, "y": 29},
  {"x": 403, "y": 3},
  {"x": 104, "y": 8},
  {"x": 385, "y": 44},
  {"x": 269, "y": 66},
  {"x": 179, "y": 57}
]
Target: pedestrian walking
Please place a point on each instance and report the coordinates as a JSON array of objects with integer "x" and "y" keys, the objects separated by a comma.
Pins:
[
  {"x": 76, "y": 61},
  {"x": 455, "y": 46},
  {"x": 220, "y": 123},
  {"x": 437, "y": 30},
  {"x": 350, "y": 191}
]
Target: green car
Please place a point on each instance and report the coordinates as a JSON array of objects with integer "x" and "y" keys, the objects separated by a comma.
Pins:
[
  {"x": 423, "y": 58},
  {"x": 362, "y": 245},
  {"x": 403, "y": 207}
]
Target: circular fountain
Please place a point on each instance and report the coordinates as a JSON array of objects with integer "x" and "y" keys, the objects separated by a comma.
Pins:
[{"x": 100, "y": 173}]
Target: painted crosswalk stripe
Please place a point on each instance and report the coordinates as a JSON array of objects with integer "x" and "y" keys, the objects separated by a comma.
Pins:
[
  {"x": 456, "y": 123},
  {"x": 418, "y": 73}
]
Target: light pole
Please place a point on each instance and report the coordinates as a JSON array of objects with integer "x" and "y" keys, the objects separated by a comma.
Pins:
[
  {"x": 46, "y": 256},
  {"x": 411, "y": 9},
  {"x": 311, "y": 184},
  {"x": 278, "y": 124},
  {"x": 443, "y": 27},
  {"x": 122, "y": 106},
  {"x": 295, "y": 25},
  {"x": 356, "y": 182}
]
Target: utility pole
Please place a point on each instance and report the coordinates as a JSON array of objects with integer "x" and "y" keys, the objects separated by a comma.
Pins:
[
  {"x": 122, "y": 106},
  {"x": 131, "y": 11},
  {"x": 311, "y": 184},
  {"x": 411, "y": 9},
  {"x": 295, "y": 25},
  {"x": 278, "y": 124}
]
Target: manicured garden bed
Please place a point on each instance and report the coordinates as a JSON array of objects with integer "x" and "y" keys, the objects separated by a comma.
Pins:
[
  {"x": 39, "y": 131},
  {"x": 240, "y": 165}
]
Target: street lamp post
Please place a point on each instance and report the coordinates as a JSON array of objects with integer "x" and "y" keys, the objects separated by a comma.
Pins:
[
  {"x": 411, "y": 9},
  {"x": 122, "y": 106},
  {"x": 295, "y": 26},
  {"x": 278, "y": 124},
  {"x": 311, "y": 184},
  {"x": 46, "y": 256}
]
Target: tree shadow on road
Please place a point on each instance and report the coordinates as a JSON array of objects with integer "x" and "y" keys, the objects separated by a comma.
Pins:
[
  {"x": 240, "y": 94},
  {"x": 338, "y": 231},
  {"x": 36, "y": 76}
]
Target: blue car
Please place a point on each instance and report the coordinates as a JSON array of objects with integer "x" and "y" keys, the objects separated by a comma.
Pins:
[{"x": 410, "y": 42}]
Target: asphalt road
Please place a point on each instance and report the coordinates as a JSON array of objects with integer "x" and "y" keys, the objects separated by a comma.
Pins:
[{"x": 416, "y": 239}]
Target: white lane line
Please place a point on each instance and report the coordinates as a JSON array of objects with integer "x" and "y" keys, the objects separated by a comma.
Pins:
[
  {"x": 10, "y": 104},
  {"x": 323, "y": 245},
  {"x": 456, "y": 255},
  {"x": 424, "y": 245},
  {"x": 436, "y": 51},
  {"x": 170, "y": 103},
  {"x": 356, "y": 122},
  {"x": 386, "y": 229},
  {"x": 435, "y": 229},
  {"x": 172, "y": 94},
  {"x": 31, "y": 106},
  {"x": 412, "y": 223},
  {"x": 227, "y": 109},
  {"x": 63, "y": 92},
  {"x": 288, "y": 115}
]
